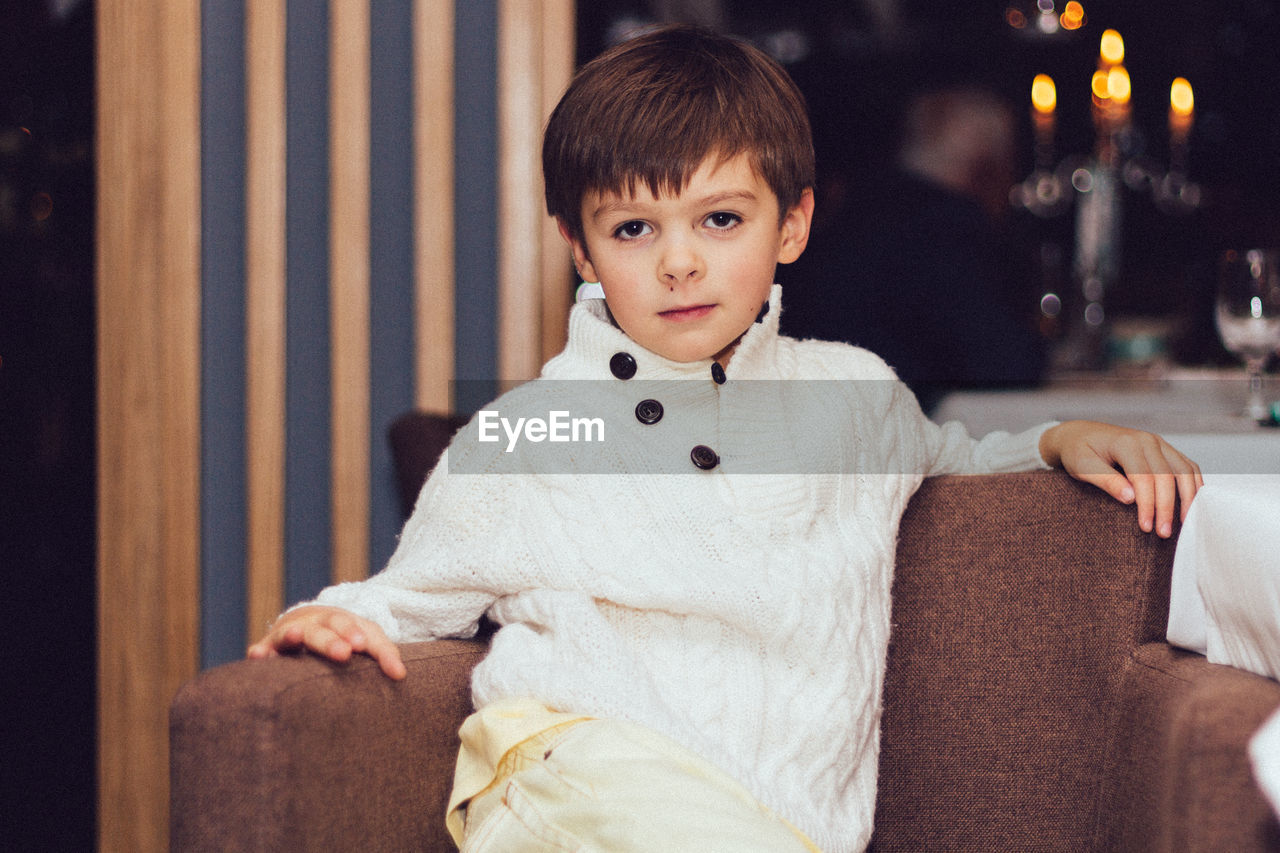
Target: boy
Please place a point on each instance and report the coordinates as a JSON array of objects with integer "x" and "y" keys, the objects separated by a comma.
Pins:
[{"x": 690, "y": 653}]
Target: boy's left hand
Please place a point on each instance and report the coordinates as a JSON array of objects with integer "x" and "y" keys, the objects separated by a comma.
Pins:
[{"x": 1127, "y": 464}]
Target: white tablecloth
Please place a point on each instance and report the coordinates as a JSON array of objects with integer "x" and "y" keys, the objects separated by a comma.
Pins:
[
  {"x": 1225, "y": 601},
  {"x": 1197, "y": 411}
]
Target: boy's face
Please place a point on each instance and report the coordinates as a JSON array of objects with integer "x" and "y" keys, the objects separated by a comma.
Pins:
[{"x": 685, "y": 275}]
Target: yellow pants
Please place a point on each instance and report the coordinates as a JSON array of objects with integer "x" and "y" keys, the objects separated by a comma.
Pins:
[{"x": 582, "y": 784}]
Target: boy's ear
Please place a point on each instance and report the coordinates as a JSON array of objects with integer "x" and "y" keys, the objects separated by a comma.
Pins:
[
  {"x": 579, "y": 249},
  {"x": 795, "y": 228}
]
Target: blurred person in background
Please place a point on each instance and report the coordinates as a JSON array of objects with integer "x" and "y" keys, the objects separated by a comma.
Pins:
[{"x": 913, "y": 262}]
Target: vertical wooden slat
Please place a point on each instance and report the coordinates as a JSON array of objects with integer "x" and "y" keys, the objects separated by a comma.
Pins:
[
  {"x": 433, "y": 127},
  {"x": 349, "y": 284},
  {"x": 265, "y": 310},
  {"x": 148, "y": 280},
  {"x": 559, "y": 29},
  {"x": 535, "y": 59},
  {"x": 519, "y": 189}
]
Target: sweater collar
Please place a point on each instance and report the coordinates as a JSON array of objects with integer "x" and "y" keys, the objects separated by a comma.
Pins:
[{"x": 594, "y": 341}]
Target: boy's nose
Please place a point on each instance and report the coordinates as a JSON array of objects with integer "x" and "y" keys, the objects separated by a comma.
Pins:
[{"x": 680, "y": 263}]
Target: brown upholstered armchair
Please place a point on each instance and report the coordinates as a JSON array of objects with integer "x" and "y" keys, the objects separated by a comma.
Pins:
[{"x": 1030, "y": 704}]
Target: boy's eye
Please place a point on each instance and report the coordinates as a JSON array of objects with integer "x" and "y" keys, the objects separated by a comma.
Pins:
[
  {"x": 631, "y": 230},
  {"x": 722, "y": 221}
]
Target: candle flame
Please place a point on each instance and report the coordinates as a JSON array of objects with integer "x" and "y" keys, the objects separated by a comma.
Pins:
[
  {"x": 1111, "y": 47},
  {"x": 1044, "y": 95},
  {"x": 1118, "y": 85},
  {"x": 1073, "y": 16},
  {"x": 1099, "y": 85},
  {"x": 1181, "y": 99}
]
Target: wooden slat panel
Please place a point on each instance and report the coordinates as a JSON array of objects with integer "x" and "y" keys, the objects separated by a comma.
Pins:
[
  {"x": 265, "y": 310},
  {"x": 349, "y": 283},
  {"x": 433, "y": 126},
  {"x": 559, "y": 28},
  {"x": 535, "y": 62},
  {"x": 519, "y": 189},
  {"x": 148, "y": 137}
]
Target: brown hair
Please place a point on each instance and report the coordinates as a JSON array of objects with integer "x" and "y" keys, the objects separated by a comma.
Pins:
[{"x": 652, "y": 109}]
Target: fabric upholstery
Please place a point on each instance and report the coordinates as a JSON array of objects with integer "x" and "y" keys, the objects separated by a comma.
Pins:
[
  {"x": 1014, "y": 618},
  {"x": 298, "y": 754},
  {"x": 1178, "y": 756},
  {"x": 1030, "y": 704}
]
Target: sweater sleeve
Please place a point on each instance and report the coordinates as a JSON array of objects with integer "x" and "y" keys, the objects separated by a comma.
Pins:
[
  {"x": 949, "y": 449},
  {"x": 458, "y": 553},
  {"x": 910, "y": 443}
]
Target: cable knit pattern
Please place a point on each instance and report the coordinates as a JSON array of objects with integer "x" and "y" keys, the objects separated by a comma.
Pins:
[{"x": 742, "y": 611}]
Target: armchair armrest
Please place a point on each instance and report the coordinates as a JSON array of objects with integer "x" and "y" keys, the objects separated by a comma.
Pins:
[
  {"x": 297, "y": 753},
  {"x": 1031, "y": 700},
  {"x": 1179, "y": 757}
]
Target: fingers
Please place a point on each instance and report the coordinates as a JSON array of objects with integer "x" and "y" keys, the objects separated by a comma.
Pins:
[
  {"x": 332, "y": 633},
  {"x": 333, "y": 641},
  {"x": 365, "y": 637},
  {"x": 1177, "y": 481},
  {"x": 1152, "y": 474},
  {"x": 1155, "y": 500},
  {"x": 305, "y": 629},
  {"x": 1189, "y": 483},
  {"x": 1114, "y": 483},
  {"x": 260, "y": 649},
  {"x": 1152, "y": 484},
  {"x": 1161, "y": 477},
  {"x": 387, "y": 654}
]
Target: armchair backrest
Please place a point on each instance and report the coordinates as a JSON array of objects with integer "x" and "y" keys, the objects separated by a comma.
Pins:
[
  {"x": 417, "y": 439},
  {"x": 1018, "y": 601}
]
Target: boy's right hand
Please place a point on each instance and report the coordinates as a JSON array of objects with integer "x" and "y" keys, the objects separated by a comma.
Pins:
[{"x": 330, "y": 632}]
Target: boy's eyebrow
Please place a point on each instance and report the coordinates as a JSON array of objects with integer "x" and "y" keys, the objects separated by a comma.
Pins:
[{"x": 620, "y": 205}]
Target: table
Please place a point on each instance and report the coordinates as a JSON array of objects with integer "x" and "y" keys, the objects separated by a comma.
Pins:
[{"x": 1195, "y": 410}]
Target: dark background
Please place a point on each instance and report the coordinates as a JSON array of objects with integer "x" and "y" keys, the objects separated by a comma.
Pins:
[
  {"x": 856, "y": 75},
  {"x": 47, "y": 678}
]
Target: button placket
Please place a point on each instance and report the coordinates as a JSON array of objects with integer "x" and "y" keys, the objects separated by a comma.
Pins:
[
  {"x": 704, "y": 457},
  {"x": 622, "y": 365},
  {"x": 649, "y": 412}
]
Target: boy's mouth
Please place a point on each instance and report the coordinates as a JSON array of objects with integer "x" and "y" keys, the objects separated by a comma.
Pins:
[{"x": 692, "y": 312}]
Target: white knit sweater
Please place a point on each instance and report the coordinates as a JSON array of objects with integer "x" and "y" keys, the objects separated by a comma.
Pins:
[{"x": 744, "y": 614}]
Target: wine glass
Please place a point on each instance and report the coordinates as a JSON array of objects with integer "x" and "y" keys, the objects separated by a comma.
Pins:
[{"x": 1248, "y": 314}]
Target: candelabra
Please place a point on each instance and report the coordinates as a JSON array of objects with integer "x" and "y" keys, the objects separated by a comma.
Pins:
[{"x": 1093, "y": 184}]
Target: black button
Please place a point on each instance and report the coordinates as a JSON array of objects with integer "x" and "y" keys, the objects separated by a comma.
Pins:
[
  {"x": 704, "y": 457},
  {"x": 648, "y": 411},
  {"x": 717, "y": 372},
  {"x": 622, "y": 365}
]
